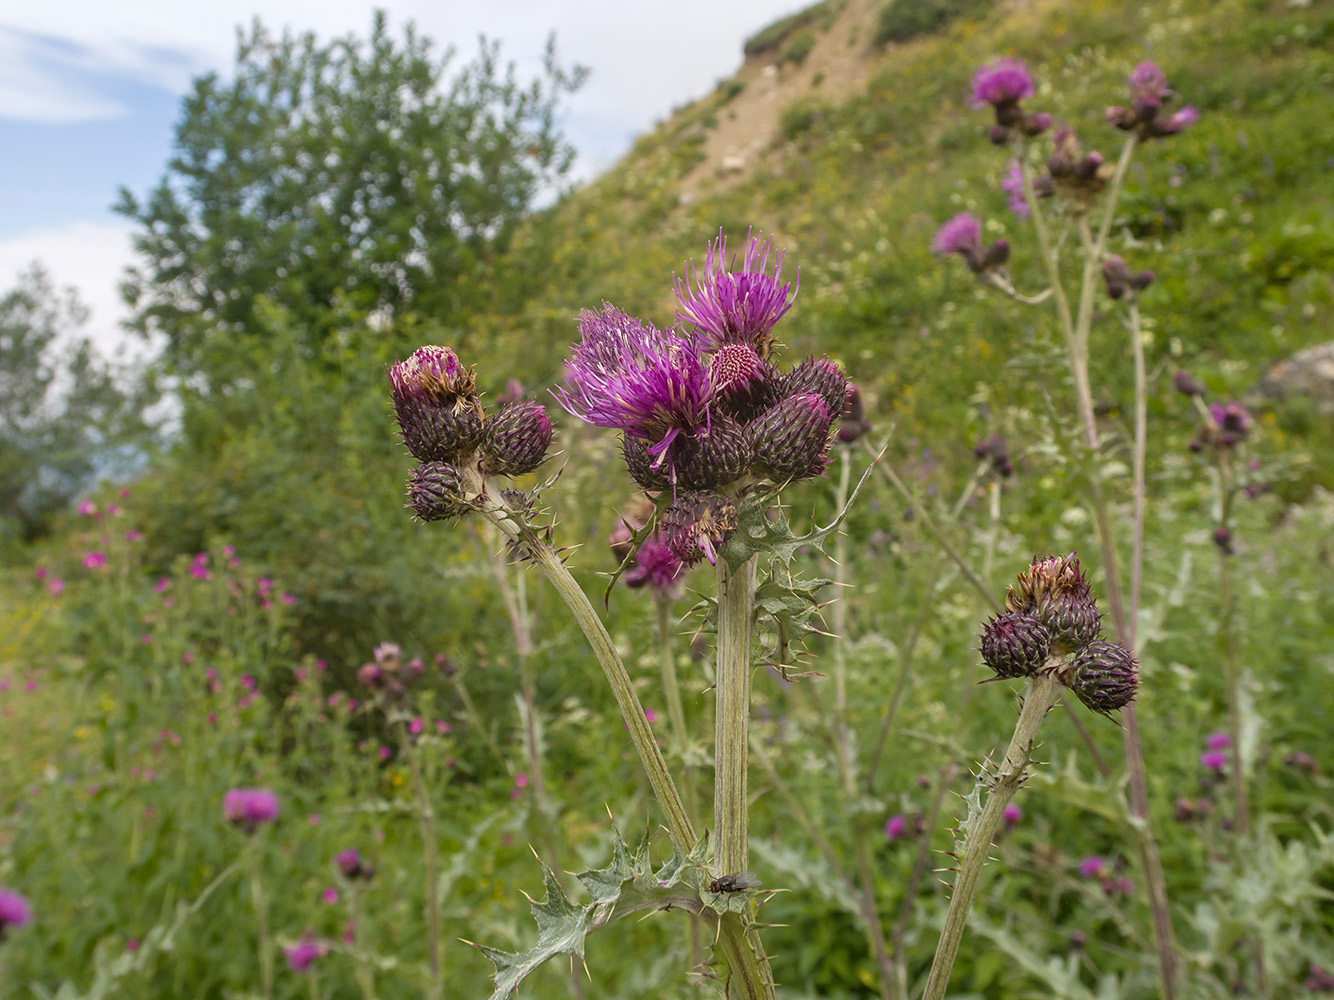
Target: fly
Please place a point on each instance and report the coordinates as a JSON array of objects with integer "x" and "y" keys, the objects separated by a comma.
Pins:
[{"x": 736, "y": 882}]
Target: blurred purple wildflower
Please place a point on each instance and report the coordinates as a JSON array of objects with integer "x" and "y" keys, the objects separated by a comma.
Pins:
[
  {"x": 1214, "y": 760},
  {"x": 656, "y": 567},
  {"x": 94, "y": 560},
  {"x": 1094, "y": 866},
  {"x": 1218, "y": 741},
  {"x": 1013, "y": 186},
  {"x": 1148, "y": 85},
  {"x": 1003, "y": 82},
  {"x": 628, "y": 375},
  {"x": 895, "y": 826},
  {"x": 1012, "y": 815},
  {"x": 302, "y": 956},
  {"x": 247, "y": 808},
  {"x": 961, "y": 235},
  {"x": 14, "y": 911},
  {"x": 730, "y": 306}
]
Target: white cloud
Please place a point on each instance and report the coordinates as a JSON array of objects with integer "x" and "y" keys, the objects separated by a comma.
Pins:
[{"x": 90, "y": 256}]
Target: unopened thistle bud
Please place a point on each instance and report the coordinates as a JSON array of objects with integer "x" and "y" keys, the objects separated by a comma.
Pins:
[
  {"x": 643, "y": 470},
  {"x": 697, "y": 524},
  {"x": 1186, "y": 384},
  {"x": 1119, "y": 277},
  {"x": 436, "y": 492},
  {"x": 1223, "y": 540},
  {"x": 515, "y": 439},
  {"x": 714, "y": 457},
  {"x": 854, "y": 423},
  {"x": 791, "y": 439},
  {"x": 1015, "y": 644},
  {"x": 820, "y": 376},
  {"x": 1105, "y": 676},
  {"x": 1055, "y": 590},
  {"x": 436, "y": 405}
]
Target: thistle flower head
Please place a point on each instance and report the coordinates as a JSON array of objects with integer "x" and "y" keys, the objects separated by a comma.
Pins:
[
  {"x": 1214, "y": 760},
  {"x": 1232, "y": 420},
  {"x": 1218, "y": 741},
  {"x": 1148, "y": 85},
  {"x": 436, "y": 404},
  {"x": 249, "y": 808},
  {"x": 14, "y": 911},
  {"x": 436, "y": 492},
  {"x": 1174, "y": 123},
  {"x": 1056, "y": 592},
  {"x": 696, "y": 524},
  {"x": 1186, "y": 384},
  {"x": 657, "y": 567},
  {"x": 791, "y": 439},
  {"x": 1002, "y": 83},
  {"x": 1015, "y": 644},
  {"x": 730, "y": 306},
  {"x": 961, "y": 235},
  {"x": 1105, "y": 677},
  {"x": 854, "y": 422},
  {"x": 625, "y": 374},
  {"x": 515, "y": 439},
  {"x": 351, "y": 865},
  {"x": 302, "y": 955},
  {"x": 714, "y": 457}
]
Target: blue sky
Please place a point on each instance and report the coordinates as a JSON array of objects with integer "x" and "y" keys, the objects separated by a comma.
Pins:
[{"x": 90, "y": 90}]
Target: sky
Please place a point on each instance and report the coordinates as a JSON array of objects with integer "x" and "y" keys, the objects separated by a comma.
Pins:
[{"x": 90, "y": 91}]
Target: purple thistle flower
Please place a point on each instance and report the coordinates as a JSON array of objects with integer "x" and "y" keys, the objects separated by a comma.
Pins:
[
  {"x": 1003, "y": 82},
  {"x": 656, "y": 567},
  {"x": 961, "y": 235},
  {"x": 302, "y": 956},
  {"x": 14, "y": 911},
  {"x": 625, "y": 374},
  {"x": 1094, "y": 866},
  {"x": 1148, "y": 85},
  {"x": 1233, "y": 421},
  {"x": 1214, "y": 760},
  {"x": 895, "y": 826},
  {"x": 1012, "y": 815},
  {"x": 1176, "y": 122},
  {"x": 1218, "y": 741},
  {"x": 734, "y": 307},
  {"x": 1013, "y": 186},
  {"x": 351, "y": 865},
  {"x": 248, "y": 808}
]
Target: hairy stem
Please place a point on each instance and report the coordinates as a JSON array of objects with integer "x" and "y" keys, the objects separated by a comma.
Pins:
[
  {"x": 632, "y": 712},
  {"x": 736, "y": 615},
  {"x": 426, "y": 822},
  {"x": 1041, "y": 693}
]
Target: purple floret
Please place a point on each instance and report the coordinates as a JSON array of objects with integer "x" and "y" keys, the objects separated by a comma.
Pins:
[
  {"x": 14, "y": 911},
  {"x": 628, "y": 375},
  {"x": 730, "y": 306},
  {"x": 247, "y": 808},
  {"x": 1013, "y": 186}
]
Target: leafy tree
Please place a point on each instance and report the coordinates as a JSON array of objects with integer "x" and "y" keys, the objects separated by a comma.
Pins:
[
  {"x": 66, "y": 414},
  {"x": 337, "y": 181}
]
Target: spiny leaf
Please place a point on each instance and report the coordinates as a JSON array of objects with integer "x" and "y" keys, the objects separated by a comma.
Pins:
[{"x": 627, "y": 885}]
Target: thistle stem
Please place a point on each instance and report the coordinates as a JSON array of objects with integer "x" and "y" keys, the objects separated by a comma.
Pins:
[
  {"x": 1231, "y": 668},
  {"x": 260, "y": 902},
  {"x": 426, "y": 821},
  {"x": 362, "y": 969},
  {"x": 736, "y": 613},
  {"x": 1041, "y": 693},
  {"x": 632, "y": 712}
]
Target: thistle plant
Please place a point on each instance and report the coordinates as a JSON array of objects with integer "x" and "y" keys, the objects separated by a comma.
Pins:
[
  {"x": 712, "y": 428},
  {"x": 1077, "y": 189},
  {"x": 248, "y": 809},
  {"x": 1048, "y": 637}
]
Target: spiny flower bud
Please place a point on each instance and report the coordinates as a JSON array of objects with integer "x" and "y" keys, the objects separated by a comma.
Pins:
[
  {"x": 1015, "y": 644},
  {"x": 436, "y": 404},
  {"x": 854, "y": 422},
  {"x": 1105, "y": 676},
  {"x": 1119, "y": 277},
  {"x": 639, "y": 463},
  {"x": 696, "y": 524},
  {"x": 435, "y": 492},
  {"x": 1056, "y": 592},
  {"x": 820, "y": 376},
  {"x": 791, "y": 439},
  {"x": 515, "y": 439},
  {"x": 714, "y": 457}
]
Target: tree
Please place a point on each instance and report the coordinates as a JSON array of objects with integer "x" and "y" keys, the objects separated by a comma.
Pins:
[
  {"x": 67, "y": 417},
  {"x": 347, "y": 179}
]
